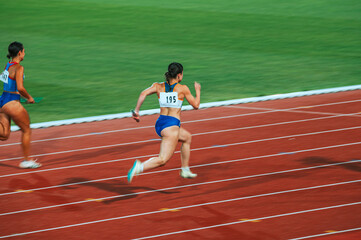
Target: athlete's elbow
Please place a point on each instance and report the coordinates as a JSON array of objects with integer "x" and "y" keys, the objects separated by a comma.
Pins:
[
  {"x": 143, "y": 94},
  {"x": 21, "y": 90}
]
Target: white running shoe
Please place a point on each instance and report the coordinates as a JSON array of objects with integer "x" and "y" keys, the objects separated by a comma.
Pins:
[
  {"x": 29, "y": 164},
  {"x": 135, "y": 170},
  {"x": 187, "y": 174}
]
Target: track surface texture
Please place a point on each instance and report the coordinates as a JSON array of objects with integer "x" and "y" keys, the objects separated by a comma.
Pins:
[{"x": 283, "y": 169}]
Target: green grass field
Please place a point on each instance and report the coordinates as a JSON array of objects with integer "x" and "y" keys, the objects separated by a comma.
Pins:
[{"x": 91, "y": 57}]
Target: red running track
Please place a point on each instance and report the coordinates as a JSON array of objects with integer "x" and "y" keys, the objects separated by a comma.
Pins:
[{"x": 284, "y": 169}]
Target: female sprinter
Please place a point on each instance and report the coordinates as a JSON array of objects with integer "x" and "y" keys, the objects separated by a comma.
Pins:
[
  {"x": 10, "y": 106},
  {"x": 170, "y": 95}
]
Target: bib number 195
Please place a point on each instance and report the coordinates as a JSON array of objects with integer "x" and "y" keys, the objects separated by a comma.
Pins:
[
  {"x": 171, "y": 99},
  {"x": 4, "y": 77}
]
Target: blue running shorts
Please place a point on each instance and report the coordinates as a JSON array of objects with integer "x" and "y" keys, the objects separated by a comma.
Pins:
[
  {"x": 165, "y": 121},
  {"x": 8, "y": 97}
]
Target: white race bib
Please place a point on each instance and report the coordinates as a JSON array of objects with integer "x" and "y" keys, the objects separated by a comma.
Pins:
[
  {"x": 4, "y": 77},
  {"x": 169, "y": 99}
]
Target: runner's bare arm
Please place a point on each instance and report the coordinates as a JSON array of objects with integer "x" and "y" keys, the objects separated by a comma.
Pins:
[
  {"x": 151, "y": 90},
  {"x": 188, "y": 95},
  {"x": 20, "y": 84}
]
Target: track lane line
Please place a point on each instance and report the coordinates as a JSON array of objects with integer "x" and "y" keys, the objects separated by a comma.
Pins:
[
  {"x": 151, "y": 126},
  {"x": 155, "y": 140},
  {"x": 143, "y": 141},
  {"x": 81, "y": 149},
  {"x": 325, "y": 234},
  {"x": 259, "y": 219},
  {"x": 200, "y": 120},
  {"x": 176, "y": 152},
  {"x": 296, "y": 111},
  {"x": 175, "y": 169},
  {"x": 203, "y": 204},
  {"x": 182, "y": 186}
]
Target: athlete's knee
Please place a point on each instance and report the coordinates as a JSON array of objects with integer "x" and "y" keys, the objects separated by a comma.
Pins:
[
  {"x": 188, "y": 139},
  {"x": 4, "y": 136},
  {"x": 162, "y": 161},
  {"x": 26, "y": 130}
]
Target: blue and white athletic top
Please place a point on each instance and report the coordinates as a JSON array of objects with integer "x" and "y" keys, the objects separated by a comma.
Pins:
[
  {"x": 9, "y": 83},
  {"x": 169, "y": 98}
]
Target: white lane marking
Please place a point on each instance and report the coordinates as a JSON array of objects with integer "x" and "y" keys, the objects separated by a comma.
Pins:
[
  {"x": 198, "y": 205},
  {"x": 196, "y": 149},
  {"x": 200, "y": 120},
  {"x": 302, "y": 107},
  {"x": 183, "y": 186},
  {"x": 152, "y": 140},
  {"x": 81, "y": 149},
  {"x": 174, "y": 169},
  {"x": 259, "y": 219},
  {"x": 128, "y": 143},
  {"x": 329, "y": 233},
  {"x": 80, "y": 135},
  {"x": 81, "y": 165},
  {"x": 297, "y": 111},
  {"x": 271, "y": 124}
]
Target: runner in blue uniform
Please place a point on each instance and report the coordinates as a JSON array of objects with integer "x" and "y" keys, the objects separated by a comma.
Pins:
[
  {"x": 168, "y": 126},
  {"x": 10, "y": 106}
]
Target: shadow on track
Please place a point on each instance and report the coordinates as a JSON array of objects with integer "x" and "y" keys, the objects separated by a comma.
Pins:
[{"x": 120, "y": 188}]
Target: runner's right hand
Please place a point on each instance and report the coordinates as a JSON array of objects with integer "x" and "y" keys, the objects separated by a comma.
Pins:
[
  {"x": 31, "y": 100},
  {"x": 135, "y": 116},
  {"x": 197, "y": 86}
]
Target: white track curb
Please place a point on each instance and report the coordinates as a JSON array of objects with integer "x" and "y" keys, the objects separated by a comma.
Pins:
[{"x": 188, "y": 107}]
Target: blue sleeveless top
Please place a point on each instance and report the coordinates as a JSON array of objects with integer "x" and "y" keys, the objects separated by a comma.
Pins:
[
  {"x": 11, "y": 85},
  {"x": 169, "y": 88},
  {"x": 169, "y": 98}
]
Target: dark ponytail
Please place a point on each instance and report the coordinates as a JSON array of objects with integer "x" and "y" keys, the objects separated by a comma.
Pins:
[
  {"x": 173, "y": 70},
  {"x": 14, "y": 48}
]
